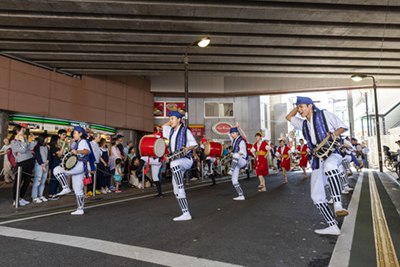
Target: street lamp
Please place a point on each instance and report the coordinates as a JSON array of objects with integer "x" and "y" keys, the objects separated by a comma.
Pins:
[
  {"x": 202, "y": 42},
  {"x": 357, "y": 78}
]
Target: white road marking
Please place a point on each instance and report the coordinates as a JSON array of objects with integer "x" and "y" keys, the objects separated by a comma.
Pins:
[
  {"x": 112, "y": 248},
  {"x": 204, "y": 183},
  {"x": 341, "y": 253}
]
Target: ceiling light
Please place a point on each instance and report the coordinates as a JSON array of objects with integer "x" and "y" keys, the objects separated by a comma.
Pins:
[
  {"x": 204, "y": 42},
  {"x": 358, "y": 77}
]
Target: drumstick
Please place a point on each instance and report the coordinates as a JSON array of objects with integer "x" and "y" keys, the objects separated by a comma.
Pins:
[{"x": 241, "y": 131}]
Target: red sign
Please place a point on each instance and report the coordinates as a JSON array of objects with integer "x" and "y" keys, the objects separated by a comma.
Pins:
[
  {"x": 159, "y": 109},
  {"x": 197, "y": 130},
  {"x": 222, "y": 127},
  {"x": 175, "y": 106}
]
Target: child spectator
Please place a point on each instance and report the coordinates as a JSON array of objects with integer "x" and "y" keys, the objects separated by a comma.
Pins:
[{"x": 118, "y": 175}]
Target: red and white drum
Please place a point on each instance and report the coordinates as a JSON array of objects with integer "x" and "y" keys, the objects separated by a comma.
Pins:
[
  {"x": 152, "y": 146},
  {"x": 249, "y": 147},
  {"x": 213, "y": 149}
]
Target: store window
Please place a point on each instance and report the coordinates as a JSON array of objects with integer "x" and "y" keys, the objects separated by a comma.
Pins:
[{"x": 217, "y": 109}]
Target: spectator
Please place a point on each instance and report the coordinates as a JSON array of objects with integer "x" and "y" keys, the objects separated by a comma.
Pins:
[
  {"x": 127, "y": 160},
  {"x": 129, "y": 145},
  {"x": 104, "y": 168},
  {"x": 42, "y": 156},
  {"x": 225, "y": 150},
  {"x": 365, "y": 151},
  {"x": 8, "y": 172},
  {"x": 21, "y": 149},
  {"x": 96, "y": 151},
  {"x": 118, "y": 175},
  {"x": 137, "y": 171},
  {"x": 115, "y": 154},
  {"x": 120, "y": 147},
  {"x": 56, "y": 154}
]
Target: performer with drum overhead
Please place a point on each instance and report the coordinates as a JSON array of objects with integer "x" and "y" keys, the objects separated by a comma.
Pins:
[
  {"x": 154, "y": 161},
  {"x": 239, "y": 159},
  {"x": 83, "y": 150},
  {"x": 260, "y": 150},
  {"x": 317, "y": 127},
  {"x": 180, "y": 138},
  {"x": 303, "y": 150},
  {"x": 283, "y": 153},
  {"x": 211, "y": 150}
]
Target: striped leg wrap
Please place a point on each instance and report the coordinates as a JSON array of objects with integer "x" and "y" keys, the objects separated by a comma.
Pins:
[
  {"x": 234, "y": 163},
  {"x": 62, "y": 179},
  {"x": 238, "y": 189},
  {"x": 326, "y": 213},
  {"x": 335, "y": 185},
  {"x": 183, "y": 204},
  {"x": 80, "y": 200},
  {"x": 177, "y": 176},
  {"x": 343, "y": 178}
]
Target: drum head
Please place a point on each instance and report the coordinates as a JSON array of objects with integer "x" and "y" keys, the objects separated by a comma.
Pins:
[
  {"x": 159, "y": 148},
  {"x": 207, "y": 149},
  {"x": 71, "y": 162}
]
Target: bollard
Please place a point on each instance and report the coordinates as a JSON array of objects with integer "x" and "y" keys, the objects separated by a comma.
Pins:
[
  {"x": 94, "y": 182},
  {"x": 18, "y": 186},
  {"x": 187, "y": 177},
  {"x": 202, "y": 170},
  {"x": 143, "y": 178}
]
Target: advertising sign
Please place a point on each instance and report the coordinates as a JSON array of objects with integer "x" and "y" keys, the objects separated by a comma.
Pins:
[
  {"x": 159, "y": 109},
  {"x": 175, "y": 106},
  {"x": 222, "y": 127}
]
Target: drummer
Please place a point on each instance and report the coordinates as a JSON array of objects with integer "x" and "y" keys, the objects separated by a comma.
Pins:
[
  {"x": 210, "y": 159},
  {"x": 83, "y": 149},
  {"x": 260, "y": 150},
  {"x": 179, "y": 137},
  {"x": 315, "y": 128},
  {"x": 155, "y": 163},
  {"x": 283, "y": 153},
  {"x": 303, "y": 151}
]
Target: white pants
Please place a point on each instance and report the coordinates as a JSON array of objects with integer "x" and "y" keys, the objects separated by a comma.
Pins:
[
  {"x": 181, "y": 166},
  {"x": 318, "y": 177},
  {"x": 241, "y": 164},
  {"x": 155, "y": 167},
  {"x": 212, "y": 160},
  {"x": 78, "y": 173}
]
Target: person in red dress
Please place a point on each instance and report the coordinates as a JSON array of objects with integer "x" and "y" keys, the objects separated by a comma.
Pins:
[
  {"x": 283, "y": 153},
  {"x": 260, "y": 151},
  {"x": 303, "y": 150}
]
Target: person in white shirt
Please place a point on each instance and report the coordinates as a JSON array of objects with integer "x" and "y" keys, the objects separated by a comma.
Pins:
[
  {"x": 239, "y": 159},
  {"x": 82, "y": 148},
  {"x": 179, "y": 137},
  {"x": 315, "y": 127}
]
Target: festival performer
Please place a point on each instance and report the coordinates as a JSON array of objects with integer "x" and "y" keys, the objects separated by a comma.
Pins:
[
  {"x": 276, "y": 162},
  {"x": 179, "y": 137},
  {"x": 239, "y": 159},
  {"x": 350, "y": 156},
  {"x": 260, "y": 150},
  {"x": 315, "y": 128},
  {"x": 283, "y": 153},
  {"x": 303, "y": 150},
  {"x": 83, "y": 149},
  {"x": 210, "y": 160},
  {"x": 358, "y": 154},
  {"x": 155, "y": 164}
]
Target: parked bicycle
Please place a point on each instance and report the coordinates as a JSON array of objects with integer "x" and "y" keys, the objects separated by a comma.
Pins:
[{"x": 391, "y": 159}]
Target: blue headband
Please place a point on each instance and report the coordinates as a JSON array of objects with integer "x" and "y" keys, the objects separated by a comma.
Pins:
[
  {"x": 353, "y": 139},
  {"x": 304, "y": 100},
  {"x": 234, "y": 130},
  {"x": 347, "y": 138},
  {"x": 176, "y": 114},
  {"x": 80, "y": 130}
]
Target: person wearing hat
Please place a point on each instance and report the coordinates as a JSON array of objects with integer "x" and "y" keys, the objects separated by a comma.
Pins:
[
  {"x": 180, "y": 137},
  {"x": 315, "y": 128},
  {"x": 303, "y": 150},
  {"x": 283, "y": 153},
  {"x": 82, "y": 148},
  {"x": 239, "y": 159},
  {"x": 260, "y": 150}
]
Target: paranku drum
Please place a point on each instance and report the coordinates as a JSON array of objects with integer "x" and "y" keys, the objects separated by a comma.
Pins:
[
  {"x": 225, "y": 160},
  {"x": 152, "y": 146},
  {"x": 327, "y": 146},
  {"x": 69, "y": 161},
  {"x": 213, "y": 149},
  {"x": 180, "y": 153}
]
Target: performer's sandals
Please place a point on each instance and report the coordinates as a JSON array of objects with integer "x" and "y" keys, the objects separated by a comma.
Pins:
[
  {"x": 285, "y": 182},
  {"x": 260, "y": 186},
  {"x": 263, "y": 189}
]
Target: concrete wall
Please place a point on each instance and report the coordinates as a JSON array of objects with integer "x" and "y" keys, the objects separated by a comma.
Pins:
[
  {"x": 117, "y": 101},
  {"x": 246, "y": 112}
]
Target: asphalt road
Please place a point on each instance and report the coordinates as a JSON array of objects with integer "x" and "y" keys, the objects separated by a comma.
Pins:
[{"x": 275, "y": 228}]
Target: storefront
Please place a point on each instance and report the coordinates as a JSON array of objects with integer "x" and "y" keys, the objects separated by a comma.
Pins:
[{"x": 38, "y": 125}]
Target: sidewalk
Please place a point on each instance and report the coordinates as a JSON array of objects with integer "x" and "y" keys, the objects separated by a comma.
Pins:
[{"x": 7, "y": 211}]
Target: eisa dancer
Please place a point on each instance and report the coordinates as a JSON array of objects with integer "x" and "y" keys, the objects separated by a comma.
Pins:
[
  {"x": 303, "y": 150},
  {"x": 260, "y": 150},
  {"x": 315, "y": 128},
  {"x": 179, "y": 137},
  {"x": 83, "y": 149},
  {"x": 239, "y": 159}
]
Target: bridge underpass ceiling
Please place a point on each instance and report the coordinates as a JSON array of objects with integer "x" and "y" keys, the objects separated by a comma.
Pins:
[{"x": 279, "y": 41}]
